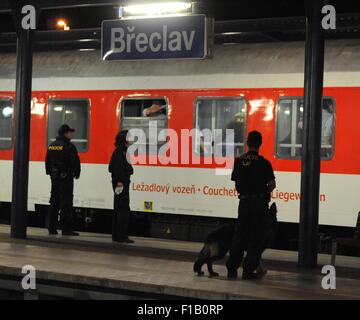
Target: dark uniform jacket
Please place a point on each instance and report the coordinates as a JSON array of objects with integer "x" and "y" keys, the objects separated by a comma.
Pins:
[
  {"x": 251, "y": 174},
  {"x": 62, "y": 159},
  {"x": 120, "y": 168}
]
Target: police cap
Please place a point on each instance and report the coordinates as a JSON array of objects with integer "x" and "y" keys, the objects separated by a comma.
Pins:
[{"x": 64, "y": 129}]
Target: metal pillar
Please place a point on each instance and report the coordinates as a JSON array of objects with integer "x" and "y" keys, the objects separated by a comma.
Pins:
[
  {"x": 311, "y": 143},
  {"x": 22, "y": 128}
]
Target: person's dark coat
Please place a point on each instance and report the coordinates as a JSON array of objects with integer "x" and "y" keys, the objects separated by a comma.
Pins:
[{"x": 119, "y": 167}]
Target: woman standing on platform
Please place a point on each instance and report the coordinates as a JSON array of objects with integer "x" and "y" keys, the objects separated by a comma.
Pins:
[{"x": 121, "y": 170}]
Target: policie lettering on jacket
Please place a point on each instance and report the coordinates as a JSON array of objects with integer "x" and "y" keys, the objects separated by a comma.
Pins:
[{"x": 62, "y": 159}]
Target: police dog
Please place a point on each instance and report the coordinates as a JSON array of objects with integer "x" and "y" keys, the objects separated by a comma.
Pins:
[{"x": 218, "y": 243}]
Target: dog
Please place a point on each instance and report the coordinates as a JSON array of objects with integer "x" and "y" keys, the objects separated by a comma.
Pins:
[{"x": 218, "y": 243}]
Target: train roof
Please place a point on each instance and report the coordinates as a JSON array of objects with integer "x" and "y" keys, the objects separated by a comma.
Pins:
[{"x": 264, "y": 65}]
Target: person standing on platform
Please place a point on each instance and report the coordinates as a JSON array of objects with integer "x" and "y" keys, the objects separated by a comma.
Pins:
[
  {"x": 121, "y": 170},
  {"x": 62, "y": 165},
  {"x": 254, "y": 181}
]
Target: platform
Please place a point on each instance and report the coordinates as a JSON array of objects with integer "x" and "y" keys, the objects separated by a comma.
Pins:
[{"x": 91, "y": 266}]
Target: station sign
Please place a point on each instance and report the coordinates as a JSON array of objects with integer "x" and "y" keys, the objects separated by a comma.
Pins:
[{"x": 177, "y": 37}]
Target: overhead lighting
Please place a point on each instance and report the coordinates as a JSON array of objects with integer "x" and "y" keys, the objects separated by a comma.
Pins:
[
  {"x": 7, "y": 112},
  {"x": 157, "y": 8},
  {"x": 62, "y": 24},
  {"x": 231, "y": 33},
  {"x": 86, "y": 40}
]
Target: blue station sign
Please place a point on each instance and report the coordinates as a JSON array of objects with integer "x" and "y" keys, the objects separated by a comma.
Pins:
[{"x": 179, "y": 37}]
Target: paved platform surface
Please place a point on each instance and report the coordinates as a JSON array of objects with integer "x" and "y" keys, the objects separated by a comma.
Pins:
[{"x": 164, "y": 267}]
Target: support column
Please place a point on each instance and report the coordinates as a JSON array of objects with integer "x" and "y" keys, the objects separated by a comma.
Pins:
[
  {"x": 311, "y": 140},
  {"x": 22, "y": 128}
]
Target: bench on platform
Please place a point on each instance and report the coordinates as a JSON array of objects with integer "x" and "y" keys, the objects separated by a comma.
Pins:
[{"x": 353, "y": 242}]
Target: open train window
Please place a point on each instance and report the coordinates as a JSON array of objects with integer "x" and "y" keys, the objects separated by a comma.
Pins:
[
  {"x": 226, "y": 115},
  {"x": 73, "y": 112},
  {"x": 148, "y": 115},
  {"x": 6, "y": 123},
  {"x": 289, "y": 126}
]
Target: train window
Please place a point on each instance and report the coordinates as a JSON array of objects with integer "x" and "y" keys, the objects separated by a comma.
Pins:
[
  {"x": 289, "y": 127},
  {"x": 73, "y": 112},
  {"x": 144, "y": 114},
  {"x": 6, "y": 123},
  {"x": 221, "y": 113}
]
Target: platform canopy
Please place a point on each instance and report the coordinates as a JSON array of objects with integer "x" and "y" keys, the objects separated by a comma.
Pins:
[{"x": 235, "y": 21}]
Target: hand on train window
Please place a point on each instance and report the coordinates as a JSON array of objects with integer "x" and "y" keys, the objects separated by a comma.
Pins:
[{"x": 156, "y": 109}]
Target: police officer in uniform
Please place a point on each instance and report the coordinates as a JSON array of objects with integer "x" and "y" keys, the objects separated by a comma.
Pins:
[
  {"x": 62, "y": 165},
  {"x": 254, "y": 181}
]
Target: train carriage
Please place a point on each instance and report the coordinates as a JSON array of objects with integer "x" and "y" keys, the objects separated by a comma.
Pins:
[{"x": 258, "y": 85}]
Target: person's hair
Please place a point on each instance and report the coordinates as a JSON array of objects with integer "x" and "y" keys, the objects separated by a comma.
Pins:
[
  {"x": 120, "y": 139},
  {"x": 254, "y": 139},
  {"x": 327, "y": 104}
]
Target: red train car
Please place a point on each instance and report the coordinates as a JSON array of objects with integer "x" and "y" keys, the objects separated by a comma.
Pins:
[{"x": 243, "y": 87}]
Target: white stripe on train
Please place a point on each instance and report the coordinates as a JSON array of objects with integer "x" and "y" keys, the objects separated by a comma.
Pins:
[
  {"x": 338, "y": 206},
  {"x": 218, "y": 81}
]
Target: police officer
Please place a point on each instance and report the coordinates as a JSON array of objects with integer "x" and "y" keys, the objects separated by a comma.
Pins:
[
  {"x": 121, "y": 170},
  {"x": 254, "y": 181},
  {"x": 62, "y": 165}
]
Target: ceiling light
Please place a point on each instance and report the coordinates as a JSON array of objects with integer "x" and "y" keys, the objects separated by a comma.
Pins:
[
  {"x": 62, "y": 24},
  {"x": 157, "y": 8}
]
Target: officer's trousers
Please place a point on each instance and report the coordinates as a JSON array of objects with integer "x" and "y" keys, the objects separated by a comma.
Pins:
[
  {"x": 121, "y": 215},
  {"x": 251, "y": 235},
  {"x": 61, "y": 200}
]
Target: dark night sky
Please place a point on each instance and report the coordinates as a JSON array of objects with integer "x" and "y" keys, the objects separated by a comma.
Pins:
[{"x": 223, "y": 10}]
